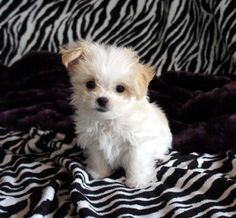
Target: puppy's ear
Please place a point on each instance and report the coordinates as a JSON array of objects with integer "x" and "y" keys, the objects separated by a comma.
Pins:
[
  {"x": 70, "y": 55},
  {"x": 143, "y": 75}
]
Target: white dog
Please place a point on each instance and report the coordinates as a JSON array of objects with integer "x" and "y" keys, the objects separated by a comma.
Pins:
[{"x": 115, "y": 123}]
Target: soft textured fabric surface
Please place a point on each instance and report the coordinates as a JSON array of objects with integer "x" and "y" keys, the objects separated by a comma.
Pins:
[
  {"x": 42, "y": 175},
  {"x": 35, "y": 92},
  {"x": 201, "y": 109},
  {"x": 188, "y": 35}
]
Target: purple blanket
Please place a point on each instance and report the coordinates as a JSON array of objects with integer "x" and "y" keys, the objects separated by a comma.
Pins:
[{"x": 35, "y": 91}]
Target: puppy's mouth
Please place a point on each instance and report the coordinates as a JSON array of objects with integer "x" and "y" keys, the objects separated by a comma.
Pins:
[{"x": 100, "y": 109}]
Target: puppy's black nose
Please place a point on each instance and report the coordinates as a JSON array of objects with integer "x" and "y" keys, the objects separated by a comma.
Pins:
[{"x": 102, "y": 101}]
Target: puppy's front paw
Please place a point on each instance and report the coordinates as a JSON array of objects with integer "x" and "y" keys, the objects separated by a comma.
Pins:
[
  {"x": 98, "y": 174},
  {"x": 131, "y": 183},
  {"x": 94, "y": 174}
]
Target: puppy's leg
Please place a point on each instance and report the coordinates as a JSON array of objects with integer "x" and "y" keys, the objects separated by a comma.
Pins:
[
  {"x": 140, "y": 170},
  {"x": 96, "y": 165}
]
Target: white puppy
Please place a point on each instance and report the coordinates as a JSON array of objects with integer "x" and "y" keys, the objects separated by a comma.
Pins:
[{"x": 115, "y": 123}]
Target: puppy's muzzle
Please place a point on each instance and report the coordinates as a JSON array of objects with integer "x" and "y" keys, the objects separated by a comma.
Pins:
[{"x": 102, "y": 103}]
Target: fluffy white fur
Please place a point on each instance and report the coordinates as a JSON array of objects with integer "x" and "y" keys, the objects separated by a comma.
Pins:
[{"x": 128, "y": 131}]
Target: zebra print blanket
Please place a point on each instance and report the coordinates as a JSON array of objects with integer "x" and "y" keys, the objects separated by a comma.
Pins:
[
  {"x": 189, "y": 35},
  {"x": 42, "y": 169}
]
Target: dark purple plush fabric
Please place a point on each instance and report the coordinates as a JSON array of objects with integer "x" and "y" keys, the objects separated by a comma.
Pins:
[
  {"x": 35, "y": 92},
  {"x": 201, "y": 109}
]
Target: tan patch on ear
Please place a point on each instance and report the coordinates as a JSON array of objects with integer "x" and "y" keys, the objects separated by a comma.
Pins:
[
  {"x": 71, "y": 56},
  {"x": 143, "y": 75}
]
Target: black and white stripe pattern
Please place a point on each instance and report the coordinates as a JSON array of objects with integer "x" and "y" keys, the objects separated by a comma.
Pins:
[
  {"x": 195, "y": 36},
  {"x": 42, "y": 174}
]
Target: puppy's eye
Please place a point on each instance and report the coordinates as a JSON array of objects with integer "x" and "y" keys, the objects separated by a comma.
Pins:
[
  {"x": 90, "y": 84},
  {"x": 120, "y": 88}
]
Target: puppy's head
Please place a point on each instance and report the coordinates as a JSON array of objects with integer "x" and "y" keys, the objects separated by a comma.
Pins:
[{"x": 105, "y": 79}]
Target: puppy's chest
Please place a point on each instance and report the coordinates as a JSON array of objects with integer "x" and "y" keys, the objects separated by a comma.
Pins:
[{"x": 110, "y": 138}]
